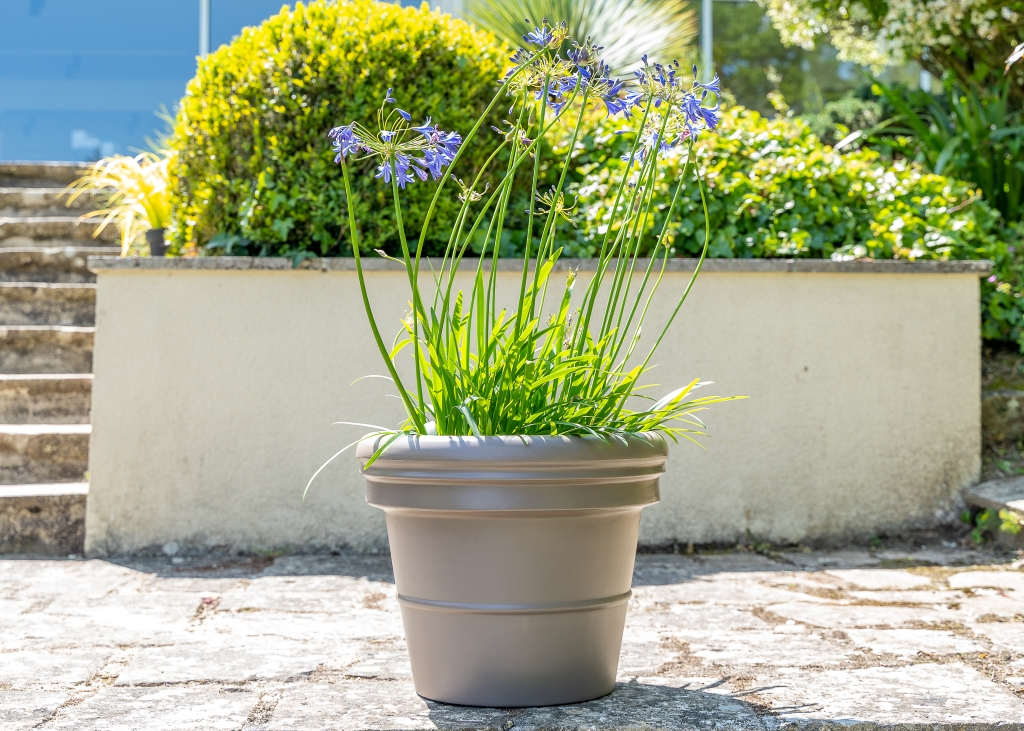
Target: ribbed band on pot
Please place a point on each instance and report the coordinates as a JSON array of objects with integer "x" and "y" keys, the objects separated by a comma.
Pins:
[{"x": 514, "y": 473}]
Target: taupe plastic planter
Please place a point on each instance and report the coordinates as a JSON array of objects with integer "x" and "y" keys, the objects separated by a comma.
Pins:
[{"x": 513, "y": 558}]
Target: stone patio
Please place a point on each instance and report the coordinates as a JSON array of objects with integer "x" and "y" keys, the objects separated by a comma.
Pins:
[{"x": 892, "y": 639}]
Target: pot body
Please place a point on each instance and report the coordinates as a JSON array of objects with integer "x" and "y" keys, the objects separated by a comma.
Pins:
[
  {"x": 155, "y": 239},
  {"x": 513, "y": 560}
]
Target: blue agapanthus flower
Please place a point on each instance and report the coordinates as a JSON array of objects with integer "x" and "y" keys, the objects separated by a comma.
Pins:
[
  {"x": 345, "y": 141},
  {"x": 396, "y": 146},
  {"x": 540, "y": 36}
]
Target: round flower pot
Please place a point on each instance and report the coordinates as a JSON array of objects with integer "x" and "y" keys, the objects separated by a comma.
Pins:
[
  {"x": 155, "y": 239},
  {"x": 513, "y": 559}
]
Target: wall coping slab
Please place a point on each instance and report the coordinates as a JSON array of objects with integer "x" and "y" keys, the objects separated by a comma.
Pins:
[{"x": 768, "y": 266}]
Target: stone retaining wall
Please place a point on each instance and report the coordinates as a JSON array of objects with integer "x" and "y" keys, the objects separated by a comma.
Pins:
[{"x": 217, "y": 380}]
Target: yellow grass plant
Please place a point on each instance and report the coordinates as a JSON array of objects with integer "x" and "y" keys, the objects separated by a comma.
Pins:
[{"x": 133, "y": 191}]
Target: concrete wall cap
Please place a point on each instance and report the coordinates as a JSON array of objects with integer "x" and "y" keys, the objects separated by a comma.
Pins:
[{"x": 768, "y": 266}]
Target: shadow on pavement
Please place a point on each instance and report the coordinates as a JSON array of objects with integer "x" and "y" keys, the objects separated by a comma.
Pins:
[{"x": 630, "y": 705}]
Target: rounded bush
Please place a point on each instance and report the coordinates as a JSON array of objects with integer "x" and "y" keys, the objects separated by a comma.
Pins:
[
  {"x": 775, "y": 190},
  {"x": 254, "y": 172}
]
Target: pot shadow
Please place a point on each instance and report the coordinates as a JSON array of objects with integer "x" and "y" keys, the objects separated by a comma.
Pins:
[
  {"x": 630, "y": 705},
  {"x": 663, "y": 569},
  {"x": 650, "y": 569}
]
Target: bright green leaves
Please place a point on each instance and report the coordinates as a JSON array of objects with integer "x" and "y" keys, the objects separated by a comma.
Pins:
[{"x": 262, "y": 105}]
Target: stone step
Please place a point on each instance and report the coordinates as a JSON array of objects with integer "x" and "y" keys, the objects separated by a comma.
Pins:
[
  {"x": 40, "y": 303},
  {"x": 55, "y": 231},
  {"x": 41, "y": 174},
  {"x": 43, "y": 519},
  {"x": 1000, "y": 495},
  {"x": 42, "y": 349},
  {"x": 43, "y": 453},
  {"x": 52, "y": 201},
  {"x": 67, "y": 264},
  {"x": 51, "y": 399}
]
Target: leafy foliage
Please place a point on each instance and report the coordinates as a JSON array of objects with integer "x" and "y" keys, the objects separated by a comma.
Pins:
[
  {"x": 988, "y": 523},
  {"x": 777, "y": 191},
  {"x": 839, "y": 118},
  {"x": 973, "y": 136},
  {"x": 968, "y": 39},
  {"x": 252, "y": 173},
  {"x": 665, "y": 29}
]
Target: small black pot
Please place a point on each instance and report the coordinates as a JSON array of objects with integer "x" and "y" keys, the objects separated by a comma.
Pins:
[{"x": 155, "y": 239}]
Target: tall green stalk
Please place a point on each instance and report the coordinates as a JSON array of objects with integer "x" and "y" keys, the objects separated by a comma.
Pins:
[{"x": 484, "y": 367}]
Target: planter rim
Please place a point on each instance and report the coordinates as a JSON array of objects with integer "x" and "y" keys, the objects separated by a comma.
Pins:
[
  {"x": 535, "y": 448},
  {"x": 506, "y": 473}
]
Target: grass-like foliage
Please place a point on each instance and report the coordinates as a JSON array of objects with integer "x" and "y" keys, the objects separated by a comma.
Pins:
[
  {"x": 628, "y": 28},
  {"x": 135, "y": 190},
  {"x": 560, "y": 362}
]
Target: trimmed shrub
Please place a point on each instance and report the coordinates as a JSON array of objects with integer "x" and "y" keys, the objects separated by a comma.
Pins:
[
  {"x": 777, "y": 191},
  {"x": 254, "y": 171}
]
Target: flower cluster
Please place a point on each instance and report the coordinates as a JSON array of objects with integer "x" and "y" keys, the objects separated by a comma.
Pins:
[
  {"x": 684, "y": 115},
  {"x": 395, "y": 144},
  {"x": 656, "y": 86},
  {"x": 560, "y": 79}
]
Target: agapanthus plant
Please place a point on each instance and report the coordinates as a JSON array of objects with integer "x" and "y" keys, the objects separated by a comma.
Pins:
[{"x": 572, "y": 365}]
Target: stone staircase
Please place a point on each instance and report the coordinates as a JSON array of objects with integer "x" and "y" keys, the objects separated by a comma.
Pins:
[{"x": 47, "y": 318}]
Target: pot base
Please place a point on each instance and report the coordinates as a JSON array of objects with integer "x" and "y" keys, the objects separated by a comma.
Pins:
[{"x": 509, "y": 657}]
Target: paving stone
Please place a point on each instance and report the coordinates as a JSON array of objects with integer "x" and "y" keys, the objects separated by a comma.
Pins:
[
  {"x": 666, "y": 569},
  {"x": 356, "y": 705},
  {"x": 42, "y": 631},
  {"x": 317, "y": 643},
  {"x": 947, "y": 694},
  {"x": 353, "y": 624},
  {"x": 908, "y": 597},
  {"x": 321, "y": 594},
  {"x": 1005, "y": 580},
  {"x": 935, "y": 555},
  {"x": 992, "y": 607},
  {"x": 48, "y": 578},
  {"x": 802, "y": 581},
  {"x": 385, "y": 659},
  {"x": 647, "y": 610},
  {"x": 881, "y": 578},
  {"x": 221, "y": 660},
  {"x": 843, "y": 616},
  {"x": 25, "y": 709},
  {"x": 201, "y": 708},
  {"x": 369, "y": 567},
  {"x": 818, "y": 560},
  {"x": 1005, "y": 636},
  {"x": 642, "y": 655},
  {"x": 26, "y": 668},
  {"x": 727, "y": 589},
  {"x": 911, "y": 642},
  {"x": 791, "y": 646}
]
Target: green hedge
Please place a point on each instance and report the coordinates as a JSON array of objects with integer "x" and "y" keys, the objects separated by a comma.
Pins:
[
  {"x": 777, "y": 191},
  {"x": 253, "y": 161}
]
